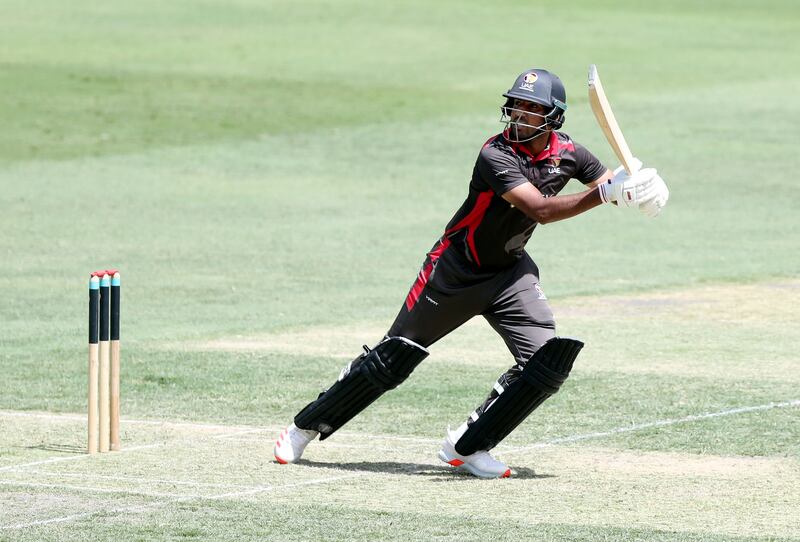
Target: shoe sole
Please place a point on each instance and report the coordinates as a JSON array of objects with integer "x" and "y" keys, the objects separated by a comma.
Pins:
[
  {"x": 279, "y": 460},
  {"x": 470, "y": 468},
  {"x": 275, "y": 450}
]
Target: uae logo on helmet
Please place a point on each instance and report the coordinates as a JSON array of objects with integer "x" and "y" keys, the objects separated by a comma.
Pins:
[{"x": 528, "y": 80}]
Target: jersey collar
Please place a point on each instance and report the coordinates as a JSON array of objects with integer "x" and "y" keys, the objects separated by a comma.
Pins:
[{"x": 551, "y": 149}]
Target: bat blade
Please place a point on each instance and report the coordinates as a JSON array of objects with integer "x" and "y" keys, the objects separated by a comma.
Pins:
[{"x": 608, "y": 123}]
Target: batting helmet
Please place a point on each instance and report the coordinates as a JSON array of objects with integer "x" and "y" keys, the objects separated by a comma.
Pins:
[{"x": 541, "y": 87}]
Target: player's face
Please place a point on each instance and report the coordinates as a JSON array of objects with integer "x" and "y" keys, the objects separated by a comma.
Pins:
[{"x": 527, "y": 113}]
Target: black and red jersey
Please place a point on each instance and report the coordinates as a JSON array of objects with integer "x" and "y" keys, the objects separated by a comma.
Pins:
[{"x": 488, "y": 234}]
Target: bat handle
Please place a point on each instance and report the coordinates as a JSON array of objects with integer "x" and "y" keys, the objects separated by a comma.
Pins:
[{"x": 628, "y": 162}]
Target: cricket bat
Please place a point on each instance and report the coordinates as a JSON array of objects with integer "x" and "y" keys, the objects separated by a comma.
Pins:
[{"x": 605, "y": 118}]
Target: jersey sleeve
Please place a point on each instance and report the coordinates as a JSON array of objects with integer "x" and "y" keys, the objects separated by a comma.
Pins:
[
  {"x": 588, "y": 167},
  {"x": 499, "y": 170}
]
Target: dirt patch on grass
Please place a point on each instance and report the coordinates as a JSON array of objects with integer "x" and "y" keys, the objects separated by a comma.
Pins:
[
  {"x": 736, "y": 303},
  {"x": 679, "y": 465},
  {"x": 339, "y": 341},
  {"x": 717, "y": 331}
]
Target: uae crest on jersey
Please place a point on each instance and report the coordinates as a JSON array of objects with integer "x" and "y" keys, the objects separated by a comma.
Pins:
[{"x": 553, "y": 164}]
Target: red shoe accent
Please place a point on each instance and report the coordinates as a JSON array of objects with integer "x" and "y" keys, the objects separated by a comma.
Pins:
[
  {"x": 456, "y": 462},
  {"x": 506, "y": 474},
  {"x": 281, "y": 461}
]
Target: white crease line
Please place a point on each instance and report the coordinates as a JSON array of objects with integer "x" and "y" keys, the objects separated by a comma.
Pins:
[
  {"x": 64, "y": 519},
  {"x": 343, "y": 434},
  {"x": 59, "y": 459},
  {"x": 264, "y": 489},
  {"x": 349, "y": 446},
  {"x": 552, "y": 442},
  {"x": 587, "y": 436},
  {"x": 235, "y": 430},
  {"x": 124, "y": 421},
  {"x": 659, "y": 423},
  {"x": 85, "y": 488},
  {"x": 247, "y": 432},
  {"x": 419, "y": 440},
  {"x": 144, "y": 508},
  {"x": 86, "y": 476}
]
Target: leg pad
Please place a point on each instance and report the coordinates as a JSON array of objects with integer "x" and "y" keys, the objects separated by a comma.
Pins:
[
  {"x": 541, "y": 377},
  {"x": 360, "y": 383}
]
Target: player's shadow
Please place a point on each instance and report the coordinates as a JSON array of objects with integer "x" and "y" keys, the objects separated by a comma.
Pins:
[
  {"x": 55, "y": 447},
  {"x": 416, "y": 469}
]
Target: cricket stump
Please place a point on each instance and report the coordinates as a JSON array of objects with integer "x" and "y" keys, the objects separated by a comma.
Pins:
[
  {"x": 115, "y": 301},
  {"x": 94, "y": 367}
]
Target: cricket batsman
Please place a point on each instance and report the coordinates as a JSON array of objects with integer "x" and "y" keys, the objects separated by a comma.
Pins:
[{"x": 480, "y": 266}]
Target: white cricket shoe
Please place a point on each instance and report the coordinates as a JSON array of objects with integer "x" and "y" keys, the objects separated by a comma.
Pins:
[
  {"x": 481, "y": 463},
  {"x": 292, "y": 443}
]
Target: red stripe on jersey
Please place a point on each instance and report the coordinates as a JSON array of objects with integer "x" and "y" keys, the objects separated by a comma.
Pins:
[
  {"x": 425, "y": 273},
  {"x": 473, "y": 220}
]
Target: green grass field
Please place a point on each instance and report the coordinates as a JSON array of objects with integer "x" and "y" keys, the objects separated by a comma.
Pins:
[{"x": 268, "y": 177}]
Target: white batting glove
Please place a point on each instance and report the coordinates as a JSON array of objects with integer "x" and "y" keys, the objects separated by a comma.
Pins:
[
  {"x": 629, "y": 190},
  {"x": 658, "y": 200}
]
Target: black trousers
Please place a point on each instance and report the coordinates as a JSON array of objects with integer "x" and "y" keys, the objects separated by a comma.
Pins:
[{"x": 511, "y": 301}]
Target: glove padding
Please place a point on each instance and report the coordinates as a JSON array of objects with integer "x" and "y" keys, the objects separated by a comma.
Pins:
[
  {"x": 658, "y": 200},
  {"x": 630, "y": 190}
]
